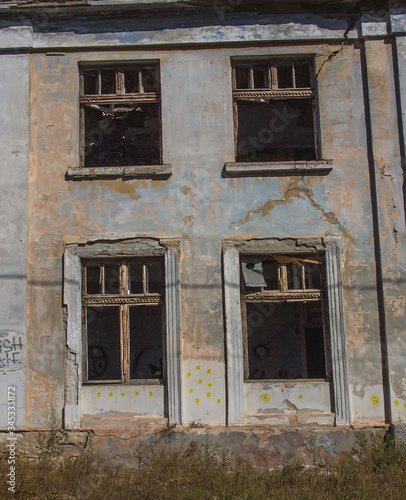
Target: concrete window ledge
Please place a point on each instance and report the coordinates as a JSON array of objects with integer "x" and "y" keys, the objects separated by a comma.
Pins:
[
  {"x": 141, "y": 172},
  {"x": 276, "y": 168}
]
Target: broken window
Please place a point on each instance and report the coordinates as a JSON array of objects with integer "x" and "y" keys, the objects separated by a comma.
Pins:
[
  {"x": 275, "y": 111},
  {"x": 284, "y": 319},
  {"x": 123, "y": 316},
  {"x": 120, "y": 115}
]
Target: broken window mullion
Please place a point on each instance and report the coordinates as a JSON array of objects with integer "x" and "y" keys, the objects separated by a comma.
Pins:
[
  {"x": 123, "y": 279},
  {"x": 99, "y": 82},
  {"x": 251, "y": 77},
  {"x": 305, "y": 371},
  {"x": 124, "y": 342},
  {"x": 140, "y": 82},
  {"x": 144, "y": 279},
  {"x": 102, "y": 280},
  {"x": 120, "y": 85},
  {"x": 303, "y": 277}
]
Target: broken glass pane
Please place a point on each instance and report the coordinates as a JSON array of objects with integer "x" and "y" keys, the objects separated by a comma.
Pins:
[
  {"x": 149, "y": 81},
  {"x": 253, "y": 273},
  {"x": 117, "y": 136}
]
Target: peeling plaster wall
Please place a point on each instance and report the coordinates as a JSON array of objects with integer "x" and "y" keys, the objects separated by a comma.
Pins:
[
  {"x": 13, "y": 228},
  {"x": 199, "y": 206}
]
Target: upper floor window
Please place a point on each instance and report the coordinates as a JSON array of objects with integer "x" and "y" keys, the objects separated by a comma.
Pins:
[
  {"x": 120, "y": 115},
  {"x": 275, "y": 110}
]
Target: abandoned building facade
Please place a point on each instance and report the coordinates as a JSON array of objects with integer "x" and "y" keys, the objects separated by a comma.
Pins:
[{"x": 203, "y": 215}]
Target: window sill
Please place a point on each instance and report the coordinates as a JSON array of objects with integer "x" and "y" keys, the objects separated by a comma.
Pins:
[
  {"x": 138, "y": 172},
  {"x": 140, "y": 381},
  {"x": 246, "y": 169}
]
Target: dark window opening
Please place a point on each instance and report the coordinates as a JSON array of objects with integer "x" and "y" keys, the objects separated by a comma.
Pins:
[
  {"x": 103, "y": 337},
  {"x": 120, "y": 116},
  {"x": 146, "y": 354},
  {"x": 283, "y": 300},
  {"x": 275, "y": 117}
]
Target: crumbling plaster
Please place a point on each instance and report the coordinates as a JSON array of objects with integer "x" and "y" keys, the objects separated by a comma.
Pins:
[{"x": 199, "y": 205}]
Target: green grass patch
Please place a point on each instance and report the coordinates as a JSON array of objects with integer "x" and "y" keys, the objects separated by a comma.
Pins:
[{"x": 377, "y": 470}]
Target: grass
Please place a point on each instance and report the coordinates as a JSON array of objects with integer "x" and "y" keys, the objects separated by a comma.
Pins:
[{"x": 377, "y": 471}]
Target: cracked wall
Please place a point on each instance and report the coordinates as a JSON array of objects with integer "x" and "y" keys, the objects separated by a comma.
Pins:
[{"x": 200, "y": 206}]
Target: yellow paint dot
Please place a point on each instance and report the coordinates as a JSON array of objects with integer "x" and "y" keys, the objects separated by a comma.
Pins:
[
  {"x": 218, "y": 401},
  {"x": 190, "y": 391},
  {"x": 208, "y": 371},
  {"x": 136, "y": 393},
  {"x": 265, "y": 397},
  {"x": 208, "y": 394},
  {"x": 300, "y": 397},
  {"x": 188, "y": 374},
  {"x": 98, "y": 394},
  {"x": 150, "y": 394},
  {"x": 122, "y": 395},
  {"x": 396, "y": 403},
  {"x": 110, "y": 394},
  {"x": 200, "y": 381},
  {"x": 197, "y": 367},
  {"x": 375, "y": 401},
  {"x": 197, "y": 401},
  {"x": 209, "y": 385},
  {"x": 404, "y": 407}
]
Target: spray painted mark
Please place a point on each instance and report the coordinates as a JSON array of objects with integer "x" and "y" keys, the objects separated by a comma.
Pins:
[
  {"x": 11, "y": 350},
  {"x": 375, "y": 401},
  {"x": 265, "y": 397}
]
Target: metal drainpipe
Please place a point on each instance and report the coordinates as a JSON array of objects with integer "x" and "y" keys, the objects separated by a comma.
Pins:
[{"x": 377, "y": 240}]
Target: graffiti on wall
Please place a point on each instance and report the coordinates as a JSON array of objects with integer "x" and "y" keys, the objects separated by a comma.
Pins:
[{"x": 11, "y": 350}]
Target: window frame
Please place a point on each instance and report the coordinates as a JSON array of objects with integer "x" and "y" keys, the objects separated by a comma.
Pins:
[
  {"x": 258, "y": 167},
  {"x": 99, "y": 248},
  {"x": 124, "y": 300},
  {"x": 331, "y": 246},
  {"x": 273, "y": 92},
  {"x": 283, "y": 295},
  {"x": 120, "y": 96}
]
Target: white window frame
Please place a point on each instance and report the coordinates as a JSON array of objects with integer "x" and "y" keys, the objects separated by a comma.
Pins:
[
  {"x": 72, "y": 299},
  {"x": 234, "y": 333}
]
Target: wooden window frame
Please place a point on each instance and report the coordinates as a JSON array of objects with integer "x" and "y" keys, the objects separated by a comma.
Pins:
[
  {"x": 120, "y": 96},
  {"x": 273, "y": 92},
  {"x": 284, "y": 295},
  {"x": 124, "y": 300}
]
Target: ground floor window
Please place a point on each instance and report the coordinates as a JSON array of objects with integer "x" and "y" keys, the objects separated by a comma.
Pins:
[
  {"x": 122, "y": 309},
  {"x": 284, "y": 323},
  {"x": 285, "y": 336},
  {"x": 124, "y": 323}
]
